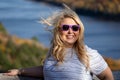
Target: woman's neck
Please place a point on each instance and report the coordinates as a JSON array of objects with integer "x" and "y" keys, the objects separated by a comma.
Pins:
[{"x": 68, "y": 45}]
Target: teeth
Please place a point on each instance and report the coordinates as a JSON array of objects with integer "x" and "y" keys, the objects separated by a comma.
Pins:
[{"x": 70, "y": 37}]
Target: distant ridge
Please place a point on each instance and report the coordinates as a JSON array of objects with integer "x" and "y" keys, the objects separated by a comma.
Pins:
[{"x": 101, "y": 10}]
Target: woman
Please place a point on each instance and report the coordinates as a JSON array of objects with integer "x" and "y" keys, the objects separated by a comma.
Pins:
[{"x": 68, "y": 58}]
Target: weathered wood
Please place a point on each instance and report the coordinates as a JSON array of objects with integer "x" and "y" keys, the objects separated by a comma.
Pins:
[{"x": 4, "y": 77}]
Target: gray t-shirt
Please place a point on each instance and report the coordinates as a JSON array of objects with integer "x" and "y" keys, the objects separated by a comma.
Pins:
[{"x": 72, "y": 68}]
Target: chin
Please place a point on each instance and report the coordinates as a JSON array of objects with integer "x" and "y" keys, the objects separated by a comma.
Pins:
[{"x": 70, "y": 43}]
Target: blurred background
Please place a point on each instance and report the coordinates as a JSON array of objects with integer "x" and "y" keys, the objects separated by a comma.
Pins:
[{"x": 20, "y": 29}]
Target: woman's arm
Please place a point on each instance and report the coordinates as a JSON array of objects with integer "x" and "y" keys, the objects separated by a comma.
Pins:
[
  {"x": 106, "y": 75},
  {"x": 32, "y": 71}
]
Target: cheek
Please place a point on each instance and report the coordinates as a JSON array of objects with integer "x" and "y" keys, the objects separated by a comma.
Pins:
[
  {"x": 77, "y": 34},
  {"x": 63, "y": 33}
]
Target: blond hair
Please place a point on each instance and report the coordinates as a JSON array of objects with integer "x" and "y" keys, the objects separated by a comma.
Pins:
[{"x": 58, "y": 47}]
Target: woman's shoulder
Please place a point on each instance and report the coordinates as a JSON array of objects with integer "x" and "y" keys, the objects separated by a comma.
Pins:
[{"x": 92, "y": 53}]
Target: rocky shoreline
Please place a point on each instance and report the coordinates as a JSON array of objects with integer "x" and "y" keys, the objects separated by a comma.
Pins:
[{"x": 86, "y": 12}]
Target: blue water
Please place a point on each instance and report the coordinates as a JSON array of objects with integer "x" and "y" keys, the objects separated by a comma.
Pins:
[{"x": 20, "y": 19}]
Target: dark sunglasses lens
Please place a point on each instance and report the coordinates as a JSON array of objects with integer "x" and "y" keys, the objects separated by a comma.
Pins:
[
  {"x": 65, "y": 27},
  {"x": 75, "y": 27}
]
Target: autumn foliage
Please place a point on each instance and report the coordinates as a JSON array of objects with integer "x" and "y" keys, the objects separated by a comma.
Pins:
[{"x": 17, "y": 53}]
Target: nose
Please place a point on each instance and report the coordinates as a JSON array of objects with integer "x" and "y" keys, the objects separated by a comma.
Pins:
[{"x": 70, "y": 30}]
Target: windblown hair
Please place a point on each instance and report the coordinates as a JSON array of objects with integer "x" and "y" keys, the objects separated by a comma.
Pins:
[{"x": 58, "y": 47}]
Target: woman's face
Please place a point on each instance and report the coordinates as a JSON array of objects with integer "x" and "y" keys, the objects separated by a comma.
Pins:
[{"x": 71, "y": 34}]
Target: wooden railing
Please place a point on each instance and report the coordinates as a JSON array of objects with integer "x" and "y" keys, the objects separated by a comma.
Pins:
[{"x": 4, "y": 77}]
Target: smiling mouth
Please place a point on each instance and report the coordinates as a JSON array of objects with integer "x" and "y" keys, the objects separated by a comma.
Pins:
[{"x": 70, "y": 37}]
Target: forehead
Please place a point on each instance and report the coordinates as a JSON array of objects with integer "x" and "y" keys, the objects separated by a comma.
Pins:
[{"x": 68, "y": 20}]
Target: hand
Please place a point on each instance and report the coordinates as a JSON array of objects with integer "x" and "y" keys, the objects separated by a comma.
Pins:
[{"x": 12, "y": 72}]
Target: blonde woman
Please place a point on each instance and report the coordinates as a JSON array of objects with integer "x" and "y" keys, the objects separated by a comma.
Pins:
[{"x": 68, "y": 58}]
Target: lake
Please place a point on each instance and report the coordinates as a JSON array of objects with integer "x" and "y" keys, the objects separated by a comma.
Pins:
[{"x": 20, "y": 18}]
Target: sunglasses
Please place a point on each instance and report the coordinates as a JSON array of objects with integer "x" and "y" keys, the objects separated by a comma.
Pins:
[{"x": 65, "y": 27}]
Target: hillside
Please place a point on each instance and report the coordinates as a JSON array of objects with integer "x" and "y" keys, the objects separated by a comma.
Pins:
[{"x": 16, "y": 52}]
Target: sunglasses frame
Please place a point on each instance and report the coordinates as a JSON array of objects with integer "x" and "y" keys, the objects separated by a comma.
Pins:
[{"x": 70, "y": 26}]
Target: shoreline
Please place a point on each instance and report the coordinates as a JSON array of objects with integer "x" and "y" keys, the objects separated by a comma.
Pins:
[{"x": 86, "y": 12}]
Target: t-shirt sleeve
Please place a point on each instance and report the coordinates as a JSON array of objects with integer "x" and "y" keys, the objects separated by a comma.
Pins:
[{"x": 97, "y": 63}]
